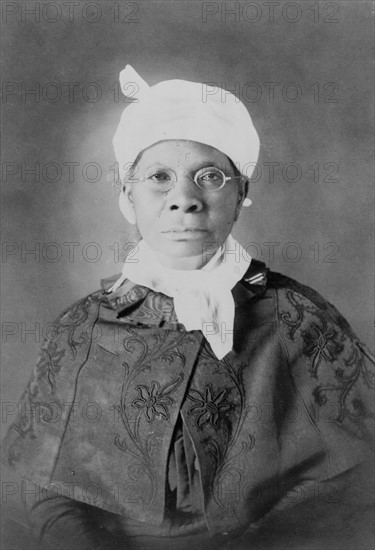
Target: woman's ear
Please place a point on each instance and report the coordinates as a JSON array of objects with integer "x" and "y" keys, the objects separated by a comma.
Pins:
[
  {"x": 126, "y": 204},
  {"x": 244, "y": 186}
]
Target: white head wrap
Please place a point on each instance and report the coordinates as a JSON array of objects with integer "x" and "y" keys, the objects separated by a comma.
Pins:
[{"x": 179, "y": 109}]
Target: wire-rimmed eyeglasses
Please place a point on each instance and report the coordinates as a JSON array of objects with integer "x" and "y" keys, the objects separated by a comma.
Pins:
[{"x": 210, "y": 178}]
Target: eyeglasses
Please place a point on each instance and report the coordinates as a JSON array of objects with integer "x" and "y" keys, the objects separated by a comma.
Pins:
[{"x": 210, "y": 178}]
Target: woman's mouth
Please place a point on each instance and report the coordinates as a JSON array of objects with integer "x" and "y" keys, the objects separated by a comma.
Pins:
[
  {"x": 183, "y": 233},
  {"x": 184, "y": 230}
]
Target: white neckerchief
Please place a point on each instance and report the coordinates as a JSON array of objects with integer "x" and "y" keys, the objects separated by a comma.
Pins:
[{"x": 202, "y": 297}]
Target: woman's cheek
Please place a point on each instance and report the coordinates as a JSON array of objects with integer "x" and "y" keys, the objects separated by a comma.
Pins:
[
  {"x": 227, "y": 210},
  {"x": 146, "y": 208}
]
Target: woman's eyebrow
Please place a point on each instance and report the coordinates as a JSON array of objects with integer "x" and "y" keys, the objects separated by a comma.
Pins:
[
  {"x": 224, "y": 166},
  {"x": 207, "y": 163},
  {"x": 194, "y": 168},
  {"x": 154, "y": 165}
]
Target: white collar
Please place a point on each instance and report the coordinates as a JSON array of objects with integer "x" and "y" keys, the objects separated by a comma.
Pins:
[{"x": 202, "y": 297}]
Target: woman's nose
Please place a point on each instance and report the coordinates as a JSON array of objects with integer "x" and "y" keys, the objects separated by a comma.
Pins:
[{"x": 184, "y": 196}]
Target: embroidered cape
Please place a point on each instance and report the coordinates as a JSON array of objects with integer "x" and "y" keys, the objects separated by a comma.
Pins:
[{"x": 288, "y": 408}]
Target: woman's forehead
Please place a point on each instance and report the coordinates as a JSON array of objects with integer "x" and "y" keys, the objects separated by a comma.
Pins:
[{"x": 182, "y": 152}]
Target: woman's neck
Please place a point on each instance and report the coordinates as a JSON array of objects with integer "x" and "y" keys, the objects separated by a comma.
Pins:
[
  {"x": 184, "y": 264},
  {"x": 188, "y": 263}
]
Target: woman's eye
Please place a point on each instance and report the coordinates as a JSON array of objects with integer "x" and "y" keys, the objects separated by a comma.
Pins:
[
  {"x": 211, "y": 176},
  {"x": 159, "y": 177}
]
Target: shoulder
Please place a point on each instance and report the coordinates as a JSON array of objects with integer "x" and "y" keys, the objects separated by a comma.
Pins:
[
  {"x": 293, "y": 297},
  {"x": 331, "y": 368},
  {"x": 293, "y": 304},
  {"x": 33, "y": 439},
  {"x": 311, "y": 327},
  {"x": 78, "y": 311},
  {"x": 91, "y": 300},
  {"x": 85, "y": 310},
  {"x": 67, "y": 342}
]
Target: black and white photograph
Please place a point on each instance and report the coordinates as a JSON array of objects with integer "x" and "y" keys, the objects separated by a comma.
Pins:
[{"x": 187, "y": 297}]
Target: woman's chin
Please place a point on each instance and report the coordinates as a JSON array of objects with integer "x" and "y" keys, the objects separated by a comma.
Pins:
[
  {"x": 183, "y": 248},
  {"x": 182, "y": 256}
]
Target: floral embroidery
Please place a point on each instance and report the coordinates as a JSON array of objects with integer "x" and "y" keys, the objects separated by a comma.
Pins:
[
  {"x": 32, "y": 411},
  {"x": 36, "y": 406},
  {"x": 49, "y": 364},
  {"x": 146, "y": 355},
  {"x": 225, "y": 410},
  {"x": 155, "y": 400},
  {"x": 210, "y": 408},
  {"x": 74, "y": 319},
  {"x": 327, "y": 338},
  {"x": 321, "y": 342},
  {"x": 348, "y": 406}
]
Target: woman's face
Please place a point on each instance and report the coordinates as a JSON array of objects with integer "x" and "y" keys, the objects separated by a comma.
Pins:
[{"x": 182, "y": 224}]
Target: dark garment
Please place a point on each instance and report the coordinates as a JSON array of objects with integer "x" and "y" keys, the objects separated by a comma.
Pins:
[
  {"x": 340, "y": 517},
  {"x": 145, "y": 434},
  {"x": 183, "y": 475}
]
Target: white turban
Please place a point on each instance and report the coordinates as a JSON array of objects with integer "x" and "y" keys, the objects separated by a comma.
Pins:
[{"x": 179, "y": 109}]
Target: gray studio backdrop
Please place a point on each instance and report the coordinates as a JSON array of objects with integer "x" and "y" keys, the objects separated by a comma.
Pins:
[{"x": 301, "y": 68}]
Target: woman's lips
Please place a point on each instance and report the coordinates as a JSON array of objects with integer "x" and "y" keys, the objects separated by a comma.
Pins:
[
  {"x": 183, "y": 230},
  {"x": 183, "y": 234}
]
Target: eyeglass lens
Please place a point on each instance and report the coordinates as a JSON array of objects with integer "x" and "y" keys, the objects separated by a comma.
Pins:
[{"x": 210, "y": 178}]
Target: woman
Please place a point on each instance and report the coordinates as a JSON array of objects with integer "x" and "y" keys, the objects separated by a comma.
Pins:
[{"x": 198, "y": 397}]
